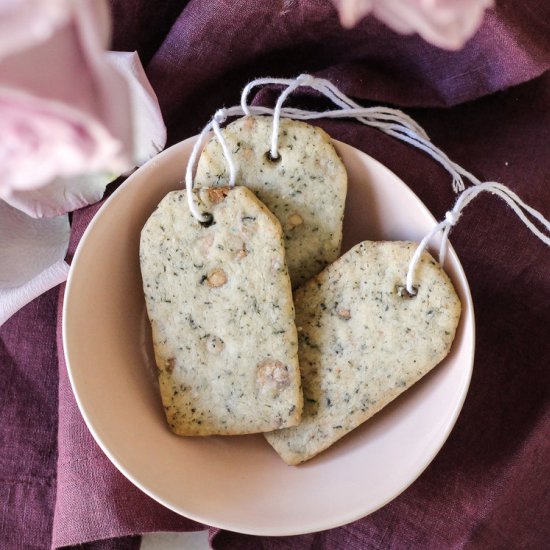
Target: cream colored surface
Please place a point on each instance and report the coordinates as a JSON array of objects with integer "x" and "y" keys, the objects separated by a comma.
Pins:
[
  {"x": 197, "y": 540},
  {"x": 239, "y": 483},
  {"x": 221, "y": 310},
  {"x": 305, "y": 189},
  {"x": 362, "y": 342}
]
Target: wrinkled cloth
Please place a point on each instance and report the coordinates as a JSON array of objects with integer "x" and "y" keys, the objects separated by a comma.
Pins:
[{"x": 488, "y": 107}]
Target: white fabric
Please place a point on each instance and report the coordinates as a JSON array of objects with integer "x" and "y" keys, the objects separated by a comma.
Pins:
[
  {"x": 13, "y": 299},
  {"x": 28, "y": 245},
  {"x": 32, "y": 253}
]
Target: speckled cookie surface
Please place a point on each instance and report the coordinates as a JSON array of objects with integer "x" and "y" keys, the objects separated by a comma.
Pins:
[
  {"x": 361, "y": 343},
  {"x": 305, "y": 189},
  {"x": 220, "y": 305}
]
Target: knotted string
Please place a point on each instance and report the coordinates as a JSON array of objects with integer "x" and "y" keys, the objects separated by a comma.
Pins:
[{"x": 452, "y": 217}]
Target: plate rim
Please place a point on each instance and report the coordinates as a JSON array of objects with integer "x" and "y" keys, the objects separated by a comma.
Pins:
[{"x": 237, "y": 526}]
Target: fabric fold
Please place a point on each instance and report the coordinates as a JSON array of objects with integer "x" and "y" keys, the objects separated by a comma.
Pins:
[{"x": 13, "y": 299}]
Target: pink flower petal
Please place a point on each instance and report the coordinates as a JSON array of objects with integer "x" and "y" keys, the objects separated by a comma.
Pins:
[
  {"x": 26, "y": 22},
  {"x": 62, "y": 195},
  {"x": 444, "y": 23},
  {"x": 41, "y": 140},
  {"x": 352, "y": 11},
  {"x": 149, "y": 127},
  {"x": 64, "y": 110}
]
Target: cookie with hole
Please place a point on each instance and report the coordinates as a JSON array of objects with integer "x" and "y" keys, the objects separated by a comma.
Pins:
[
  {"x": 219, "y": 299},
  {"x": 363, "y": 341}
]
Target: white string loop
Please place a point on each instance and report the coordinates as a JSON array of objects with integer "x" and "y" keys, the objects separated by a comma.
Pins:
[
  {"x": 260, "y": 82},
  {"x": 197, "y": 148},
  {"x": 302, "y": 80},
  {"x": 219, "y": 118},
  {"x": 390, "y": 121},
  {"x": 452, "y": 217}
]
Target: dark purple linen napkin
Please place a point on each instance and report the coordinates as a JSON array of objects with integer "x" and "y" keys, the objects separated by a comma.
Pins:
[
  {"x": 214, "y": 48},
  {"x": 488, "y": 487},
  {"x": 28, "y": 424}
]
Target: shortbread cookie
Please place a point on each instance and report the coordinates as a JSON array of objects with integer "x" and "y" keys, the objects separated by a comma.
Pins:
[
  {"x": 305, "y": 188},
  {"x": 363, "y": 340},
  {"x": 219, "y": 300}
]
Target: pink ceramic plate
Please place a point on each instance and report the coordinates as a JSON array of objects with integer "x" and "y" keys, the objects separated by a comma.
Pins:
[{"x": 240, "y": 483}]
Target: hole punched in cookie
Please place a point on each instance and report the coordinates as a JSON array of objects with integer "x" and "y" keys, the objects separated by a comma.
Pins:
[
  {"x": 271, "y": 158},
  {"x": 209, "y": 219},
  {"x": 404, "y": 293}
]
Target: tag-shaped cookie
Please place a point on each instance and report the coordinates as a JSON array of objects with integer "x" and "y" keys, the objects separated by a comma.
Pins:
[
  {"x": 305, "y": 187},
  {"x": 363, "y": 340},
  {"x": 219, "y": 300}
]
